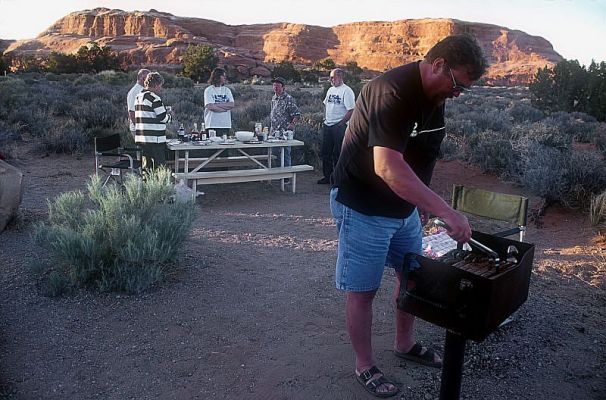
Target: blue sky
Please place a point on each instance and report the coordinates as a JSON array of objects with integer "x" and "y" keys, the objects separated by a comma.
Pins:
[{"x": 575, "y": 28}]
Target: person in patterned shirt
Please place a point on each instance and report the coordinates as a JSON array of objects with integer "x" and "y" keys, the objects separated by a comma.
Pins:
[
  {"x": 151, "y": 118},
  {"x": 284, "y": 113}
]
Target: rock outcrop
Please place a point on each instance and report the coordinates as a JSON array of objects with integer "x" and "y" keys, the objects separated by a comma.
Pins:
[{"x": 155, "y": 37}]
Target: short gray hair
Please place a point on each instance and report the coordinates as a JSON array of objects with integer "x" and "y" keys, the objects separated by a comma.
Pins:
[
  {"x": 338, "y": 71},
  {"x": 153, "y": 79},
  {"x": 142, "y": 74}
]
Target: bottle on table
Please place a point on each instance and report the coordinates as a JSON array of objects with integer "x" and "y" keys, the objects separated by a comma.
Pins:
[
  {"x": 181, "y": 133},
  {"x": 202, "y": 131},
  {"x": 195, "y": 135}
]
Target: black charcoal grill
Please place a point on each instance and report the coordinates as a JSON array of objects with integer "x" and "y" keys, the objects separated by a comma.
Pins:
[{"x": 470, "y": 293}]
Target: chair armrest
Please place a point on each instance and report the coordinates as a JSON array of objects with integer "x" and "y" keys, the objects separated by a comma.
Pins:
[
  {"x": 108, "y": 154},
  {"x": 132, "y": 148}
]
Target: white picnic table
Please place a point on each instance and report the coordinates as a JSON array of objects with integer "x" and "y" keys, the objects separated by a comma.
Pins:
[{"x": 244, "y": 167}]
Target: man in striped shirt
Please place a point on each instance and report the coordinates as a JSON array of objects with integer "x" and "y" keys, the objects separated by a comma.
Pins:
[{"x": 151, "y": 118}]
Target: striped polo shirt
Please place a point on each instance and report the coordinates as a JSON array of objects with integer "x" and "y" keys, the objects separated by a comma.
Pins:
[{"x": 150, "y": 118}]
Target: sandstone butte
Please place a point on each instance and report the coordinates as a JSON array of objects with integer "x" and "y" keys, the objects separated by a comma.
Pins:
[{"x": 159, "y": 38}]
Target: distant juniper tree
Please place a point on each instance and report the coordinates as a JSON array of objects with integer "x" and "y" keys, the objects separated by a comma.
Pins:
[
  {"x": 352, "y": 72},
  {"x": 61, "y": 63},
  {"x": 95, "y": 58},
  {"x": 286, "y": 70},
  {"x": 3, "y": 64},
  {"x": 199, "y": 61},
  {"x": 542, "y": 89},
  {"x": 325, "y": 64},
  {"x": 571, "y": 87},
  {"x": 310, "y": 75},
  {"x": 597, "y": 90}
]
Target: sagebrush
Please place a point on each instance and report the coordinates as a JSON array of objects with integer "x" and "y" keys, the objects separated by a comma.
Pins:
[{"x": 113, "y": 238}]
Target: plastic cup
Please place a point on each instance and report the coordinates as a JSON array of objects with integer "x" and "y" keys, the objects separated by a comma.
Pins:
[{"x": 212, "y": 133}]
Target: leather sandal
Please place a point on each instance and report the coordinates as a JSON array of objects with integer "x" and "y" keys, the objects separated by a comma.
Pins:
[{"x": 372, "y": 384}]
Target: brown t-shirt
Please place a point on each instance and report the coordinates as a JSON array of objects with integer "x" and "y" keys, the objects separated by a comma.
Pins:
[{"x": 389, "y": 109}]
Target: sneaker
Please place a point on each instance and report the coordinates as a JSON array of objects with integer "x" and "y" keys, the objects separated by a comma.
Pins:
[{"x": 323, "y": 181}]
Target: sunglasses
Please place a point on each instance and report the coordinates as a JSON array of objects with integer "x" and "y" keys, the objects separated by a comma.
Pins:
[{"x": 456, "y": 86}]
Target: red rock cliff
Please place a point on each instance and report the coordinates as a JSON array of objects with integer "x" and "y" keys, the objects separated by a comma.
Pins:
[{"x": 160, "y": 38}]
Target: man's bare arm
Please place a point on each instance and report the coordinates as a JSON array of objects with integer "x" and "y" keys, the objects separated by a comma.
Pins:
[{"x": 390, "y": 166}]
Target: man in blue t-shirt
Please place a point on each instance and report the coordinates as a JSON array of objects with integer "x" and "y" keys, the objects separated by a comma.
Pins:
[{"x": 380, "y": 190}]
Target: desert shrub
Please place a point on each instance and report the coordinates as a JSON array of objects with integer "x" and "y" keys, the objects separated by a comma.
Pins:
[
  {"x": 84, "y": 79},
  {"x": 461, "y": 127},
  {"x": 257, "y": 110},
  {"x": 493, "y": 120},
  {"x": 8, "y": 137},
  {"x": 308, "y": 130},
  {"x": 543, "y": 173},
  {"x": 493, "y": 154},
  {"x": 597, "y": 211},
  {"x": 586, "y": 132},
  {"x": 187, "y": 108},
  {"x": 100, "y": 113},
  {"x": 306, "y": 101},
  {"x": 599, "y": 138},
  {"x": 585, "y": 178},
  {"x": 13, "y": 95},
  {"x": 546, "y": 132},
  {"x": 451, "y": 148},
  {"x": 115, "y": 78},
  {"x": 173, "y": 81},
  {"x": 114, "y": 238},
  {"x": 523, "y": 112},
  {"x": 198, "y": 97},
  {"x": 64, "y": 137},
  {"x": 245, "y": 93}
]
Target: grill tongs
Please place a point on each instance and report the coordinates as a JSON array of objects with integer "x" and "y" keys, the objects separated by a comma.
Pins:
[{"x": 492, "y": 255}]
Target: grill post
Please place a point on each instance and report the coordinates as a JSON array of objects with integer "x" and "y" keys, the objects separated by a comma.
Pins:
[{"x": 452, "y": 366}]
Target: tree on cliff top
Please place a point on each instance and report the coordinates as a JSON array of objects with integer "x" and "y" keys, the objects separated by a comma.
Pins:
[{"x": 199, "y": 61}]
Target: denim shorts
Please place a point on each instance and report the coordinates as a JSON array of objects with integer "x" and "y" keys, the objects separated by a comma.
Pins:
[{"x": 368, "y": 244}]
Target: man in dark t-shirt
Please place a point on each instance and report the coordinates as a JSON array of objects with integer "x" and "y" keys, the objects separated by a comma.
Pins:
[{"x": 380, "y": 190}]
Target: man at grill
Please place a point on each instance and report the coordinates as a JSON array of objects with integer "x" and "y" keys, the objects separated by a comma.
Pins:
[
  {"x": 151, "y": 118},
  {"x": 380, "y": 190}
]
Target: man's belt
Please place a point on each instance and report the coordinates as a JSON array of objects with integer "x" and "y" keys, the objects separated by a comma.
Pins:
[{"x": 150, "y": 139}]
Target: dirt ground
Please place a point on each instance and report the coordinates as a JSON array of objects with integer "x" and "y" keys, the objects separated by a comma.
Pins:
[{"x": 253, "y": 312}]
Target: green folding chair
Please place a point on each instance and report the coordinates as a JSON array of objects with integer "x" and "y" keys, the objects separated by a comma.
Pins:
[{"x": 497, "y": 206}]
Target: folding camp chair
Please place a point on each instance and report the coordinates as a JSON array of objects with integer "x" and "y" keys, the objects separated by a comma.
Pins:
[
  {"x": 497, "y": 206},
  {"x": 113, "y": 160}
]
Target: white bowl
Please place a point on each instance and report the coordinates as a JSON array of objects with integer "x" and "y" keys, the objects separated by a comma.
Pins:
[{"x": 244, "y": 136}]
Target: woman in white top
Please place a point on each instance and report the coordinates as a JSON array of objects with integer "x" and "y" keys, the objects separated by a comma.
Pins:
[{"x": 218, "y": 101}]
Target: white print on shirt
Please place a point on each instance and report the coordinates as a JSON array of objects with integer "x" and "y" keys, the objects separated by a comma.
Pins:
[
  {"x": 334, "y": 98},
  {"x": 221, "y": 98}
]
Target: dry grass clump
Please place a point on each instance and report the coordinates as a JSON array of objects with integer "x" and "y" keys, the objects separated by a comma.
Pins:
[{"x": 597, "y": 212}]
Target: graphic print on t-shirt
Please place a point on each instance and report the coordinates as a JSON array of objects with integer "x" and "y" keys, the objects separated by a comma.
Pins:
[
  {"x": 334, "y": 98},
  {"x": 221, "y": 98}
]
